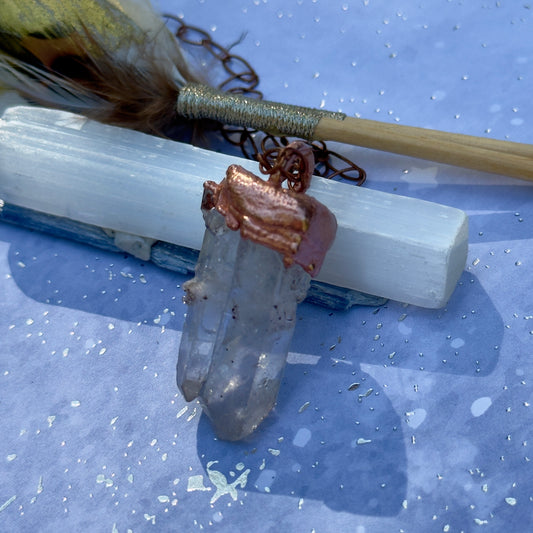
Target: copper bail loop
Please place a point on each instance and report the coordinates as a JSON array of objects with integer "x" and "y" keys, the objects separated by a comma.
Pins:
[{"x": 294, "y": 164}]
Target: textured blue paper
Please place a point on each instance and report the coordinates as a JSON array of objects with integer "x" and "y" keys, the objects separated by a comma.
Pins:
[{"x": 437, "y": 434}]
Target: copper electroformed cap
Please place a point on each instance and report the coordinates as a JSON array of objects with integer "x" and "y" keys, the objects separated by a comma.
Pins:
[{"x": 286, "y": 220}]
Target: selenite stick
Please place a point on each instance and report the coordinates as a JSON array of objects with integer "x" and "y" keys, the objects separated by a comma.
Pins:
[{"x": 63, "y": 164}]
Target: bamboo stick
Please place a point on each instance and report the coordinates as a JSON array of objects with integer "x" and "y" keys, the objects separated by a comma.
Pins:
[
  {"x": 197, "y": 101},
  {"x": 477, "y": 153}
]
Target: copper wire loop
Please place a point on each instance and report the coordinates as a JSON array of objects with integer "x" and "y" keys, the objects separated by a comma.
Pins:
[
  {"x": 293, "y": 164},
  {"x": 243, "y": 79}
]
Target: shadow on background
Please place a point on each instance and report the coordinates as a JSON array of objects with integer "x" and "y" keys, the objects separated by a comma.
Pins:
[
  {"x": 323, "y": 442},
  {"x": 450, "y": 340},
  {"x": 463, "y": 338}
]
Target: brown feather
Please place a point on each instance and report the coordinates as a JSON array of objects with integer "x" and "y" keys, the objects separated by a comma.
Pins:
[
  {"x": 132, "y": 80},
  {"x": 139, "y": 94}
]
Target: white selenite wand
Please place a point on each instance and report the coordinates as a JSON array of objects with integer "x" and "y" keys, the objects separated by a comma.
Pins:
[{"x": 137, "y": 185}]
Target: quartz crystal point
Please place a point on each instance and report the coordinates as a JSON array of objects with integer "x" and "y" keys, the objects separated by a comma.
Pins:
[{"x": 243, "y": 298}]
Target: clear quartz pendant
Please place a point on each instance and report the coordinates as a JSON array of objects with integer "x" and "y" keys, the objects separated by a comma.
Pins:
[{"x": 243, "y": 298}]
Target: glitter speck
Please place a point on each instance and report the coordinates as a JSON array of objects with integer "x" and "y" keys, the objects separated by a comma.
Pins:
[
  {"x": 304, "y": 407},
  {"x": 7, "y": 503}
]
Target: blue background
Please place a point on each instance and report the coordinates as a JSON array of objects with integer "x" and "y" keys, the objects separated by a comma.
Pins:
[{"x": 438, "y": 435}]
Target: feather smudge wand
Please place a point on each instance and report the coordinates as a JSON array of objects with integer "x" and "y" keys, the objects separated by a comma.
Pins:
[{"x": 115, "y": 61}]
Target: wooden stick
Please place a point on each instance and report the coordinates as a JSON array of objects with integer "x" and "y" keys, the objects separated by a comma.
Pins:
[
  {"x": 196, "y": 101},
  {"x": 488, "y": 155}
]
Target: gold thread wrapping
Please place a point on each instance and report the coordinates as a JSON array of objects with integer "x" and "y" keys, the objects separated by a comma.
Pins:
[{"x": 197, "y": 101}]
